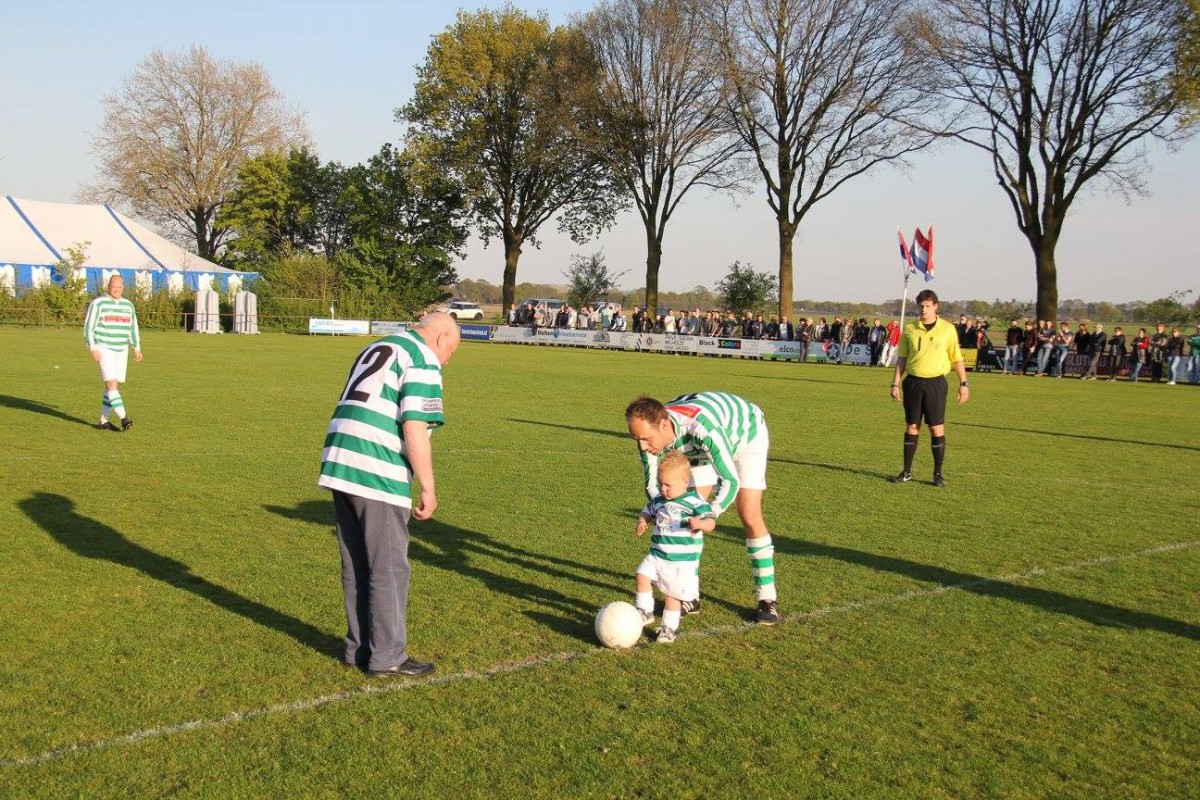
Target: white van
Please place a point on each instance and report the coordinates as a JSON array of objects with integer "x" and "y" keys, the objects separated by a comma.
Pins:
[{"x": 550, "y": 304}]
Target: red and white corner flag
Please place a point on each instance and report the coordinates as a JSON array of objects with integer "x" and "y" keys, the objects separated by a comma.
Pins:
[{"x": 922, "y": 253}]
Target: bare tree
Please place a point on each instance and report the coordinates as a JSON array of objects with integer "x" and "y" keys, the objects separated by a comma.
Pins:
[
  {"x": 1060, "y": 92},
  {"x": 660, "y": 121},
  {"x": 173, "y": 138},
  {"x": 821, "y": 91}
]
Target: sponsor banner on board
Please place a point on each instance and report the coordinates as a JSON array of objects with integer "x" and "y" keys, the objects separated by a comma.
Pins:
[
  {"x": 381, "y": 327},
  {"x": 478, "y": 333},
  {"x": 342, "y": 327}
]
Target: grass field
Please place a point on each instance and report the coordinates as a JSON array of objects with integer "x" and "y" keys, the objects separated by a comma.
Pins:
[{"x": 171, "y": 613}]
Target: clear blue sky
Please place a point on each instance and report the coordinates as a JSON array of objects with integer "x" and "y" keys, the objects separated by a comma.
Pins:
[{"x": 349, "y": 64}]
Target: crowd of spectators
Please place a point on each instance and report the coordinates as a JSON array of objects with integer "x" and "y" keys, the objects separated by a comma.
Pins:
[
  {"x": 1039, "y": 349},
  {"x": 881, "y": 339},
  {"x": 1042, "y": 348}
]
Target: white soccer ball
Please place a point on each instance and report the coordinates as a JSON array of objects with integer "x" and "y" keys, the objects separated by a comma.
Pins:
[{"x": 619, "y": 625}]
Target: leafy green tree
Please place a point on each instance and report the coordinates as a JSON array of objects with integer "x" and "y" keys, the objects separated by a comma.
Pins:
[
  {"x": 1186, "y": 81},
  {"x": 1072, "y": 309},
  {"x": 491, "y": 110},
  {"x": 1169, "y": 310},
  {"x": 743, "y": 289},
  {"x": 404, "y": 227},
  {"x": 273, "y": 209},
  {"x": 590, "y": 279},
  {"x": 480, "y": 291},
  {"x": 1007, "y": 310},
  {"x": 1104, "y": 312}
]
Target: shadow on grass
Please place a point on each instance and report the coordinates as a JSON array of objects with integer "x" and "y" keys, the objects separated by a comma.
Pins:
[
  {"x": 467, "y": 553},
  {"x": 34, "y": 407},
  {"x": 809, "y": 379},
  {"x": 1078, "y": 436},
  {"x": 90, "y": 538},
  {"x": 621, "y": 434},
  {"x": 1089, "y": 611},
  {"x": 832, "y": 467}
]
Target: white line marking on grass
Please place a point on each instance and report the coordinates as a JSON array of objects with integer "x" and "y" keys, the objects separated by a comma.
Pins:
[{"x": 556, "y": 658}]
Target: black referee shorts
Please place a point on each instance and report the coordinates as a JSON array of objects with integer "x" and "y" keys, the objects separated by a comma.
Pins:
[{"x": 925, "y": 397}]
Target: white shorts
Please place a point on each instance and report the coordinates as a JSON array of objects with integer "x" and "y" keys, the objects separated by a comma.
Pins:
[
  {"x": 750, "y": 463},
  {"x": 113, "y": 364},
  {"x": 678, "y": 579}
]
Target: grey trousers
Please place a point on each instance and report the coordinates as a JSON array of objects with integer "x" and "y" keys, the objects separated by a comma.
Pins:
[{"x": 373, "y": 538}]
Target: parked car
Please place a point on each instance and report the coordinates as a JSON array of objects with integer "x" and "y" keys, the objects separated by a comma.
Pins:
[
  {"x": 600, "y": 305},
  {"x": 552, "y": 306},
  {"x": 463, "y": 309}
]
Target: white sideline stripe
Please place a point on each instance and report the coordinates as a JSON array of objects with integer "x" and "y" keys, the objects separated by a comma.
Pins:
[{"x": 556, "y": 658}]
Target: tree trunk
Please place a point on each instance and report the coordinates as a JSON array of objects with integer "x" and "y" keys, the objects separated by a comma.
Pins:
[
  {"x": 512, "y": 252},
  {"x": 200, "y": 227},
  {"x": 1047, "y": 273},
  {"x": 653, "y": 262},
  {"x": 1047, "y": 283},
  {"x": 787, "y": 235}
]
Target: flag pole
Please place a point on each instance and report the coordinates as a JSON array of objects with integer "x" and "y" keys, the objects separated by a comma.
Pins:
[{"x": 906, "y": 257}]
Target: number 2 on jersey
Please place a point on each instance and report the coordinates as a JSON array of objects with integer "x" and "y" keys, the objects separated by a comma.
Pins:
[{"x": 371, "y": 362}]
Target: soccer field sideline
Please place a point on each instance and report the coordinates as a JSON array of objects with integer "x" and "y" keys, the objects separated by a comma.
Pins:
[{"x": 377, "y": 688}]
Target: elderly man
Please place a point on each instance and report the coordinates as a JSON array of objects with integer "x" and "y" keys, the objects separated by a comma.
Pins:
[
  {"x": 378, "y": 441},
  {"x": 110, "y": 329}
]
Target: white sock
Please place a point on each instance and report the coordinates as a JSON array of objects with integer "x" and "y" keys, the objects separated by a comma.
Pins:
[
  {"x": 762, "y": 566},
  {"x": 670, "y": 619},
  {"x": 644, "y": 601},
  {"x": 114, "y": 400}
]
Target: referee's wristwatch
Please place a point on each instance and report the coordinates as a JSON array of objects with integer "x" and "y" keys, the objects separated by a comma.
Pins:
[{"x": 962, "y": 385}]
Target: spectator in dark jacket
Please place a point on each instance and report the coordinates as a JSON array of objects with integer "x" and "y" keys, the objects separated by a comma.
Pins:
[
  {"x": 1116, "y": 345},
  {"x": 1031, "y": 344},
  {"x": 1174, "y": 355},
  {"x": 1096, "y": 345}
]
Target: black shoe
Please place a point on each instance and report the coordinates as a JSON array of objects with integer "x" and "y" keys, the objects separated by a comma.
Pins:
[
  {"x": 767, "y": 613},
  {"x": 938, "y": 480},
  {"x": 106, "y": 426},
  {"x": 690, "y": 606},
  {"x": 903, "y": 477},
  {"x": 410, "y": 668},
  {"x": 126, "y": 424}
]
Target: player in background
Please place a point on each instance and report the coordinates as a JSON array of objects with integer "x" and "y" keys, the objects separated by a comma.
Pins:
[
  {"x": 928, "y": 350},
  {"x": 725, "y": 439},
  {"x": 110, "y": 329},
  {"x": 680, "y": 518}
]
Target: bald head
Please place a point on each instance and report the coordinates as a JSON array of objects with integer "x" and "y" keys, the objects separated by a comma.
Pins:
[{"x": 441, "y": 333}]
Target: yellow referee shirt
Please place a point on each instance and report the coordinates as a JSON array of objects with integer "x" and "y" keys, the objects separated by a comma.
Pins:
[{"x": 929, "y": 353}]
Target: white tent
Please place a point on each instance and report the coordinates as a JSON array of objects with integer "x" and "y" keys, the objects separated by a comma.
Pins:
[{"x": 35, "y": 236}]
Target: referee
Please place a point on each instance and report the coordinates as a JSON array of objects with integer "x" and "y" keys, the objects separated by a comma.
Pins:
[{"x": 928, "y": 350}]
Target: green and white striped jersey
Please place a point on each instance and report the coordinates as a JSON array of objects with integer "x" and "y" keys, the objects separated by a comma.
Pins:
[
  {"x": 712, "y": 427},
  {"x": 394, "y": 380},
  {"x": 112, "y": 324},
  {"x": 672, "y": 539}
]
